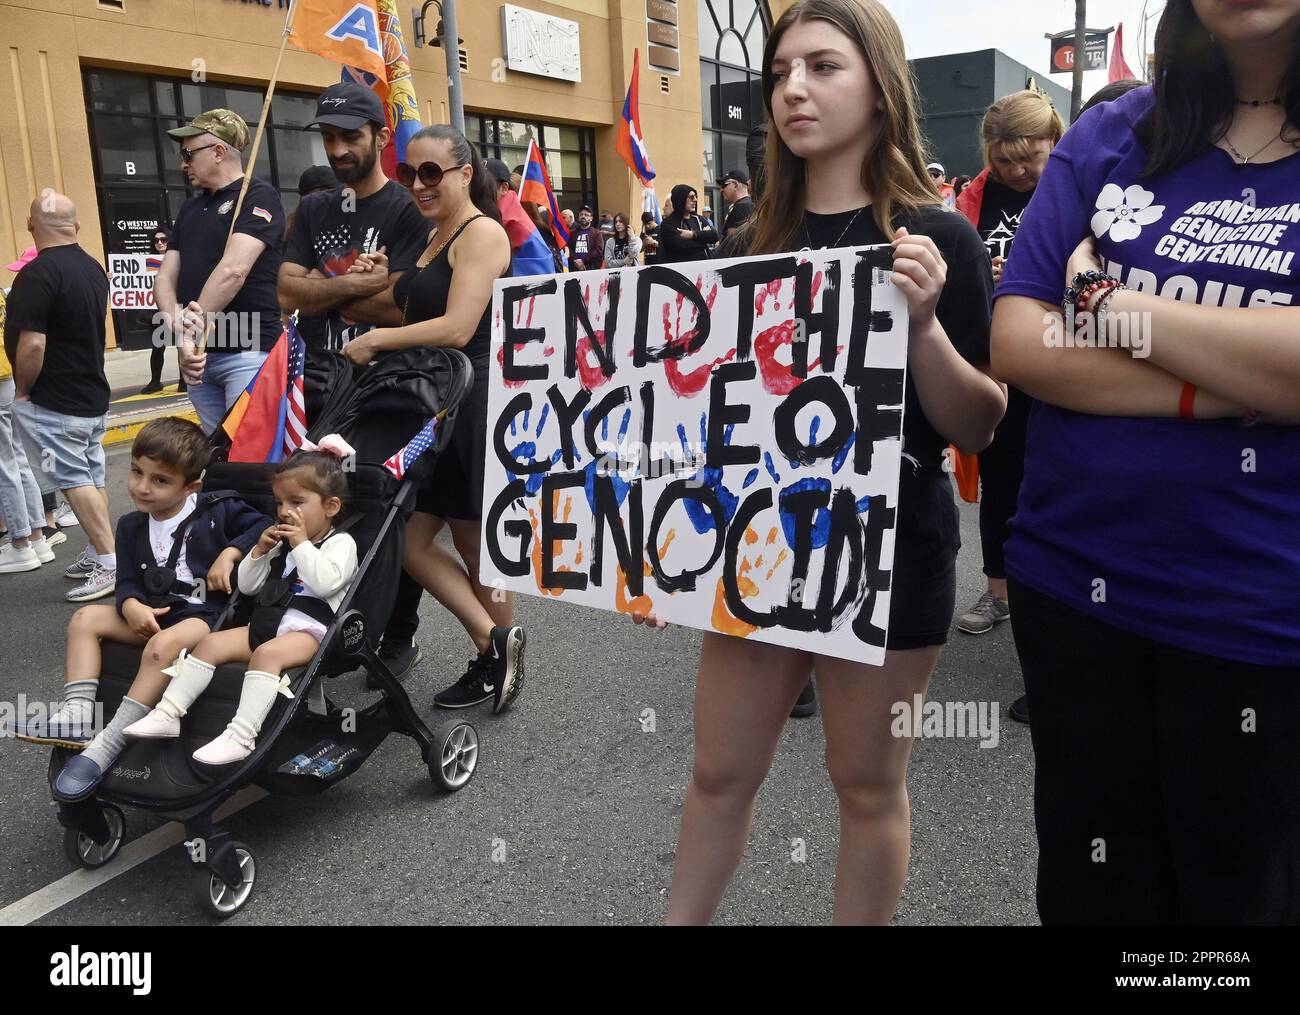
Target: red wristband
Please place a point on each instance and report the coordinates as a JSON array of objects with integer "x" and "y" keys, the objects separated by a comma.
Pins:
[{"x": 1186, "y": 400}]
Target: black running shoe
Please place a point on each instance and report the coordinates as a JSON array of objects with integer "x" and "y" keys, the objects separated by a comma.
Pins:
[
  {"x": 467, "y": 691},
  {"x": 1019, "y": 709},
  {"x": 807, "y": 703},
  {"x": 503, "y": 665},
  {"x": 400, "y": 661}
]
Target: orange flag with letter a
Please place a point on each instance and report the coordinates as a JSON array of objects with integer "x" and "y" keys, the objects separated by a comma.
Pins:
[{"x": 345, "y": 31}]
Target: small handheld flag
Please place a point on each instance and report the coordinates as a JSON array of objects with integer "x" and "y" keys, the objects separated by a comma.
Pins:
[
  {"x": 418, "y": 445},
  {"x": 269, "y": 419}
]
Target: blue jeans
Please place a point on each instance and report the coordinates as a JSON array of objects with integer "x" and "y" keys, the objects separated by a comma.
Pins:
[
  {"x": 224, "y": 377},
  {"x": 20, "y": 497}
]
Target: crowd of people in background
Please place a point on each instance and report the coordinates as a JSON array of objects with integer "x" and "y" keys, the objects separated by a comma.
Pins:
[{"x": 1091, "y": 468}]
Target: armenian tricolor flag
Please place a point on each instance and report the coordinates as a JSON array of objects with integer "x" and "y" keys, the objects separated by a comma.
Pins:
[{"x": 269, "y": 419}]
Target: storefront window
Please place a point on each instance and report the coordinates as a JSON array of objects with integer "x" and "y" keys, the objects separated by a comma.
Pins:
[
  {"x": 137, "y": 166},
  {"x": 732, "y": 36},
  {"x": 567, "y": 151}
]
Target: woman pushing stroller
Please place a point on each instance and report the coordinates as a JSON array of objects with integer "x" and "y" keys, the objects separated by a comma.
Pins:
[{"x": 299, "y": 571}]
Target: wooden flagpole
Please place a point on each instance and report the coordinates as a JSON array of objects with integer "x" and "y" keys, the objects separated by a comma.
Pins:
[{"x": 257, "y": 141}]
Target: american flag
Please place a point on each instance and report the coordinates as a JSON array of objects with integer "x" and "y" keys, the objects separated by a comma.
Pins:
[
  {"x": 417, "y": 446},
  {"x": 295, "y": 415}
]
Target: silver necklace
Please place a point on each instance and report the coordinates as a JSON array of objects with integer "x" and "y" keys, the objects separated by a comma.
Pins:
[
  {"x": 1244, "y": 159},
  {"x": 808, "y": 235}
]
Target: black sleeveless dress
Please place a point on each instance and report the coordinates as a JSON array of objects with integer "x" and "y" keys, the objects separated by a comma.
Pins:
[{"x": 455, "y": 487}]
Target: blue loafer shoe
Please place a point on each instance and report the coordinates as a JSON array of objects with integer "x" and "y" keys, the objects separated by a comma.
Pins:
[{"x": 79, "y": 779}]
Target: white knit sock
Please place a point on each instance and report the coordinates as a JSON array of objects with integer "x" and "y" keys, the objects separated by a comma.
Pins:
[
  {"x": 255, "y": 702},
  {"x": 191, "y": 679}
]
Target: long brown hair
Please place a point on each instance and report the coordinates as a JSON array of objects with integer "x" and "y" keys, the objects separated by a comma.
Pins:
[{"x": 893, "y": 171}]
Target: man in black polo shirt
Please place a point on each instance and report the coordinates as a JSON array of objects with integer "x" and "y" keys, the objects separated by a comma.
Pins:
[
  {"x": 215, "y": 281},
  {"x": 365, "y": 213}
]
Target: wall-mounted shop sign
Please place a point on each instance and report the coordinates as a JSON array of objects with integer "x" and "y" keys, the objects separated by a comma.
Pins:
[{"x": 540, "y": 44}]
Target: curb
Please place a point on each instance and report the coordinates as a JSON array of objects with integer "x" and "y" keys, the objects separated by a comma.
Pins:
[{"x": 120, "y": 432}]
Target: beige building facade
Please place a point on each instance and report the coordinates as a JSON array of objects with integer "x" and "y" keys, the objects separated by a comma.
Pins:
[{"x": 89, "y": 88}]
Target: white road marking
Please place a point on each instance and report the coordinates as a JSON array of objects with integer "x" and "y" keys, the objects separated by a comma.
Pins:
[{"x": 46, "y": 900}]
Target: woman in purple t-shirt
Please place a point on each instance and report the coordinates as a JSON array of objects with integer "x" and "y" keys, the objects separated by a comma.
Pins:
[{"x": 1154, "y": 558}]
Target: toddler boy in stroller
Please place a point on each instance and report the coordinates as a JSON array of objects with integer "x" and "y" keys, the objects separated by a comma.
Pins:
[{"x": 177, "y": 552}]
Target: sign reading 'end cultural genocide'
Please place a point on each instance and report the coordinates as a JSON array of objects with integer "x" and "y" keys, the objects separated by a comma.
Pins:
[{"x": 716, "y": 442}]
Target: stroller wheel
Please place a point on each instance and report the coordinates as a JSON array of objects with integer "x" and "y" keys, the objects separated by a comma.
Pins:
[
  {"x": 217, "y": 897},
  {"x": 453, "y": 757},
  {"x": 84, "y": 851}
]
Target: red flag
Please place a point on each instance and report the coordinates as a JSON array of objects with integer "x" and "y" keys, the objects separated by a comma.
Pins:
[{"x": 1119, "y": 70}]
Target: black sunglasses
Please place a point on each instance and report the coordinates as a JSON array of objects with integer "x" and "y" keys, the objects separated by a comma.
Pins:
[
  {"x": 187, "y": 154},
  {"x": 429, "y": 173}
]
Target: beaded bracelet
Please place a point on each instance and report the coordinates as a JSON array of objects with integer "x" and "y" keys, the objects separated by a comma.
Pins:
[{"x": 1083, "y": 285}]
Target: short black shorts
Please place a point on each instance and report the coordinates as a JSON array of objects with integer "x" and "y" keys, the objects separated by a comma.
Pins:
[
  {"x": 206, "y": 612},
  {"x": 455, "y": 487}
]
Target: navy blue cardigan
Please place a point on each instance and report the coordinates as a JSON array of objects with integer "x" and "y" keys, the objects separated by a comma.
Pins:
[{"x": 229, "y": 522}]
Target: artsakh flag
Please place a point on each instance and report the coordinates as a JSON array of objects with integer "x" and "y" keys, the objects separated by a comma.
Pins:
[
  {"x": 536, "y": 187},
  {"x": 345, "y": 31},
  {"x": 269, "y": 419},
  {"x": 395, "y": 88},
  {"x": 630, "y": 143}
]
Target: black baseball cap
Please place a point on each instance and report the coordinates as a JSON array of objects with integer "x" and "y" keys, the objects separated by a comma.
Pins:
[
  {"x": 739, "y": 175},
  {"x": 497, "y": 169},
  {"x": 348, "y": 106},
  {"x": 315, "y": 178},
  {"x": 586, "y": 207}
]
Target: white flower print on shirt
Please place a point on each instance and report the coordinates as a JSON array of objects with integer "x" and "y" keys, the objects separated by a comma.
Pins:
[{"x": 1123, "y": 213}]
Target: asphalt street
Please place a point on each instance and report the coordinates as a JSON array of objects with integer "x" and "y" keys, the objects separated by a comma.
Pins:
[{"x": 572, "y": 816}]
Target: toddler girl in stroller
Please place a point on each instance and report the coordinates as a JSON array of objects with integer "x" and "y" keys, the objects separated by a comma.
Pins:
[{"x": 298, "y": 587}]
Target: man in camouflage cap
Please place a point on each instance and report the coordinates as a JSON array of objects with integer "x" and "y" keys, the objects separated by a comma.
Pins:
[
  {"x": 217, "y": 281},
  {"x": 224, "y": 125}
]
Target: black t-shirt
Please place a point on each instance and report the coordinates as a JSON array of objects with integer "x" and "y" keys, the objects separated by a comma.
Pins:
[
  {"x": 927, "y": 529},
  {"x": 1000, "y": 216},
  {"x": 329, "y": 232},
  {"x": 64, "y": 295},
  {"x": 740, "y": 211},
  {"x": 199, "y": 236}
]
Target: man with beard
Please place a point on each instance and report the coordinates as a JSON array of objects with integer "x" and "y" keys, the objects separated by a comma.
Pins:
[
  {"x": 587, "y": 246},
  {"x": 368, "y": 216}
]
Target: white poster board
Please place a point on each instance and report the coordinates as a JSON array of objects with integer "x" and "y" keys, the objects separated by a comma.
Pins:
[
  {"x": 131, "y": 278},
  {"x": 718, "y": 442}
]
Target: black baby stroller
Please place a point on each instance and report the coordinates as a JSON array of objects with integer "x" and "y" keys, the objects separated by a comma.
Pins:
[{"x": 306, "y": 743}]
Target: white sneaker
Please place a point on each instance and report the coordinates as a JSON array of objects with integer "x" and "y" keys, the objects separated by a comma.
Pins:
[
  {"x": 225, "y": 750},
  {"x": 13, "y": 560},
  {"x": 157, "y": 725},
  {"x": 65, "y": 516},
  {"x": 43, "y": 552},
  {"x": 101, "y": 582}
]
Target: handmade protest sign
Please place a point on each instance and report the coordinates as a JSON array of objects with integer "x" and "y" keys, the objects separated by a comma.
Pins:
[{"x": 718, "y": 442}]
